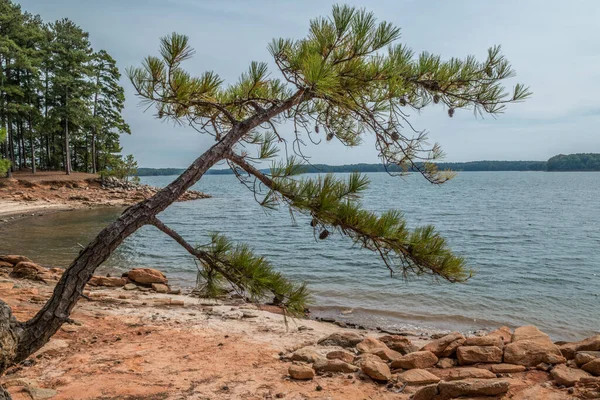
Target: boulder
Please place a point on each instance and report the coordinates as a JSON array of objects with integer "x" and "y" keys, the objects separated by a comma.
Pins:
[
  {"x": 472, "y": 388},
  {"x": 358, "y": 361},
  {"x": 376, "y": 370},
  {"x": 418, "y": 377},
  {"x": 531, "y": 352},
  {"x": 455, "y": 374},
  {"x": 341, "y": 355},
  {"x": 426, "y": 393},
  {"x": 14, "y": 259},
  {"x": 444, "y": 363},
  {"x": 582, "y": 358},
  {"x": 503, "y": 332},
  {"x": 370, "y": 345},
  {"x": 147, "y": 276},
  {"x": 570, "y": 349},
  {"x": 528, "y": 332},
  {"x": 450, "y": 341},
  {"x": 416, "y": 360},
  {"x": 27, "y": 270},
  {"x": 325, "y": 365},
  {"x": 468, "y": 355},
  {"x": 107, "y": 281},
  {"x": 387, "y": 354},
  {"x": 307, "y": 354},
  {"x": 398, "y": 343},
  {"x": 341, "y": 339},
  {"x": 507, "y": 368},
  {"x": 484, "y": 341},
  {"x": 593, "y": 367},
  {"x": 301, "y": 372},
  {"x": 160, "y": 288},
  {"x": 565, "y": 376}
]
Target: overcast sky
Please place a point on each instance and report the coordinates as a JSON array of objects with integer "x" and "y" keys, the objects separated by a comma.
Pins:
[{"x": 553, "y": 45}]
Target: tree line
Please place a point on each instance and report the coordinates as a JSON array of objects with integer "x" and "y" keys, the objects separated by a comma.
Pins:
[
  {"x": 561, "y": 162},
  {"x": 60, "y": 101}
]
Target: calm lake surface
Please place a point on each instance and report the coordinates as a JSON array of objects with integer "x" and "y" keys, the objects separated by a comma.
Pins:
[{"x": 533, "y": 237}]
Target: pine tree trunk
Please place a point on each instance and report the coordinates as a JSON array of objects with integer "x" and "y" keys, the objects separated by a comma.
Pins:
[
  {"x": 94, "y": 150},
  {"x": 32, "y": 145},
  {"x": 67, "y": 152},
  {"x": 11, "y": 145}
]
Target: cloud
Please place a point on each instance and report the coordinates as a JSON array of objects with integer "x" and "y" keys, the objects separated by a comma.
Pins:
[{"x": 552, "y": 44}]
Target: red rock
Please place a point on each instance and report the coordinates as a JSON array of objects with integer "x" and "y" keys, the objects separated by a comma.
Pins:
[
  {"x": 417, "y": 377},
  {"x": 325, "y": 365},
  {"x": 4, "y": 264},
  {"x": 14, "y": 259},
  {"x": 454, "y": 374},
  {"x": 358, "y": 361},
  {"x": 107, "y": 281},
  {"x": 387, "y": 354},
  {"x": 342, "y": 339},
  {"x": 529, "y": 332},
  {"x": 507, "y": 368},
  {"x": 566, "y": 376},
  {"x": 147, "y": 276},
  {"x": 301, "y": 372},
  {"x": 341, "y": 355},
  {"x": 426, "y": 393},
  {"x": 438, "y": 346},
  {"x": 484, "y": 341},
  {"x": 583, "y": 358},
  {"x": 503, "y": 332},
  {"x": 487, "y": 387},
  {"x": 27, "y": 270},
  {"x": 398, "y": 343},
  {"x": 378, "y": 371},
  {"x": 532, "y": 352},
  {"x": 416, "y": 360},
  {"x": 478, "y": 354},
  {"x": 570, "y": 349},
  {"x": 307, "y": 354},
  {"x": 370, "y": 345},
  {"x": 593, "y": 367},
  {"x": 445, "y": 363},
  {"x": 160, "y": 288}
]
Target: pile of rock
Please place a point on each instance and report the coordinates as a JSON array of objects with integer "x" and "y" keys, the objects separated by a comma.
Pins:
[
  {"x": 121, "y": 186},
  {"x": 145, "y": 279},
  {"x": 453, "y": 365}
]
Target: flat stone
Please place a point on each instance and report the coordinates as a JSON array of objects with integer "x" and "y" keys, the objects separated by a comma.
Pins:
[
  {"x": 14, "y": 259},
  {"x": 529, "y": 332},
  {"x": 370, "y": 345},
  {"x": 468, "y": 355},
  {"x": 147, "y": 276},
  {"x": 69, "y": 328},
  {"x": 387, "y": 354},
  {"x": 507, "y": 368},
  {"x": 593, "y": 367},
  {"x": 160, "y": 288},
  {"x": 565, "y": 376},
  {"x": 438, "y": 346},
  {"x": 325, "y": 365},
  {"x": 107, "y": 281},
  {"x": 342, "y": 339},
  {"x": 399, "y": 343},
  {"x": 484, "y": 341},
  {"x": 37, "y": 393},
  {"x": 307, "y": 354},
  {"x": 532, "y": 352},
  {"x": 426, "y": 393},
  {"x": 472, "y": 388},
  {"x": 358, "y": 361},
  {"x": 582, "y": 358},
  {"x": 418, "y": 377},
  {"x": 341, "y": 355},
  {"x": 416, "y": 360},
  {"x": 130, "y": 286},
  {"x": 301, "y": 372},
  {"x": 570, "y": 349},
  {"x": 377, "y": 370},
  {"x": 455, "y": 374}
]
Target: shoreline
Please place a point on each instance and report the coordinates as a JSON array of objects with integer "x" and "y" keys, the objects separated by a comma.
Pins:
[{"x": 174, "y": 346}]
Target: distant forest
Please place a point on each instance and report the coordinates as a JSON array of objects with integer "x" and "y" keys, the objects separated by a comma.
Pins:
[{"x": 570, "y": 162}]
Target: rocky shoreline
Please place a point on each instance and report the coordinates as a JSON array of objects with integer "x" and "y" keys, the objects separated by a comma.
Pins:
[
  {"x": 309, "y": 359},
  {"x": 48, "y": 193}
]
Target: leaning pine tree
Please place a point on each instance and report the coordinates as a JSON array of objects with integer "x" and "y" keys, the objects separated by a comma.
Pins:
[{"x": 347, "y": 79}]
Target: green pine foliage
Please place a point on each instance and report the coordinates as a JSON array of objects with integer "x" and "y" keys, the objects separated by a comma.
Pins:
[
  {"x": 248, "y": 274},
  {"x": 348, "y": 78}
]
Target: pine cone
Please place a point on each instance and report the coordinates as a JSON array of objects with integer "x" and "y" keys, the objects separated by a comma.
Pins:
[
  {"x": 323, "y": 235},
  {"x": 451, "y": 112},
  {"x": 436, "y": 99}
]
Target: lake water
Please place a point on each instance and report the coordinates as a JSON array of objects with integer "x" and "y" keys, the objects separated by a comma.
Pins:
[{"x": 533, "y": 237}]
